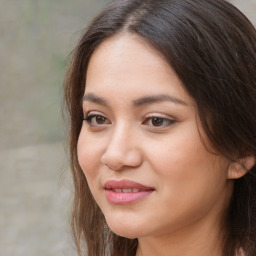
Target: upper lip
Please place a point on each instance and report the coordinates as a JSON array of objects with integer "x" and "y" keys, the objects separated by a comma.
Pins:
[{"x": 125, "y": 184}]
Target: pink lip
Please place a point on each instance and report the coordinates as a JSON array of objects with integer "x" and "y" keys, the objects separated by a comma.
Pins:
[{"x": 123, "y": 198}]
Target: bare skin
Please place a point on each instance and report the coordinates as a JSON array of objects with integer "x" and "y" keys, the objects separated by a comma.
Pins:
[{"x": 142, "y": 126}]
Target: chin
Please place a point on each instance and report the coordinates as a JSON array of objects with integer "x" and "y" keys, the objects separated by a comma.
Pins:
[
  {"x": 126, "y": 229},
  {"x": 125, "y": 233}
]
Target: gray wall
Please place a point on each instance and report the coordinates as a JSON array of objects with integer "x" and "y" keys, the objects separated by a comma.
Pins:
[{"x": 36, "y": 38}]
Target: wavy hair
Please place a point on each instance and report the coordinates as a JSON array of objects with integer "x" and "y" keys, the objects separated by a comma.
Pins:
[{"x": 211, "y": 46}]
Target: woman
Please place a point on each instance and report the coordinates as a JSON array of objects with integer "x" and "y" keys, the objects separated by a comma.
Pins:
[{"x": 161, "y": 96}]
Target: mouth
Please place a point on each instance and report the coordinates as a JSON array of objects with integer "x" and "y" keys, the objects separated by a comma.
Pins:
[
  {"x": 123, "y": 192},
  {"x": 126, "y": 190}
]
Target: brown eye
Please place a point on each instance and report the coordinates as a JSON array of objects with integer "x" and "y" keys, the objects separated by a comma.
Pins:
[
  {"x": 95, "y": 120},
  {"x": 158, "y": 122},
  {"x": 100, "y": 119}
]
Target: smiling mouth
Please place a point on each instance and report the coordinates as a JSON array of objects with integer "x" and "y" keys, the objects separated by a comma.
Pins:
[
  {"x": 126, "y": 190},
  {"x": 122, "y": 192},
  {"x": 126, "y": 186}
]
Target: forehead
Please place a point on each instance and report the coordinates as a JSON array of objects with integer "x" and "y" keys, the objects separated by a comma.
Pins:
[
  {"x": 127, "y": 64},
  {"x": 123, "y": 51}
]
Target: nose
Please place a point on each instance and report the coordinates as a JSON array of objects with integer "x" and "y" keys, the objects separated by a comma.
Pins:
[{"x": 122, "y": 151}]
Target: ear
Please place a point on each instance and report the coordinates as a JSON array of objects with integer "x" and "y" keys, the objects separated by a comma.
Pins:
[{"x": 239, "y": 168}]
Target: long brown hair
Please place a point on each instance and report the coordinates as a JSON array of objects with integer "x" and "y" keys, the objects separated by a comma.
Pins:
[{"x": 212, "y": 48}]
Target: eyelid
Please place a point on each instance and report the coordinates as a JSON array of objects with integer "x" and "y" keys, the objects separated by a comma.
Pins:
[
  {"x": 160, "y": 115},
  {"x": 167, "y": 120},
  {"x": 155, "y": 114},
  {"x": 92, "y": 114}
]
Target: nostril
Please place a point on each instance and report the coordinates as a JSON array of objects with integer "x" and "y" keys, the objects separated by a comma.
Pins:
[
  {"x": 111, "y": 160},
  {"x": 116, "y": 160}
]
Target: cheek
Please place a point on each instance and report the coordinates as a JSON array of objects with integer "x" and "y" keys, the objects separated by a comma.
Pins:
[
  {"x": 178, "y": 153},
  {"x": 186, "y": 169},
  {"x": 88, "y": 153},
  {"x": 190, "y": 181}
]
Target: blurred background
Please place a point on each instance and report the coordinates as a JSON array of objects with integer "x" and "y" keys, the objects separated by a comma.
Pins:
[{"x": 35, "y": 186}]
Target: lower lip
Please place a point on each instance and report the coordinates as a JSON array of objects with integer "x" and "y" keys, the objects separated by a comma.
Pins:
[{"x": 126, "y": 198}]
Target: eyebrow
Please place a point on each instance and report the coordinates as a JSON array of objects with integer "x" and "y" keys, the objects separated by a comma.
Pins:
[
  {"x": 158, "y": 98},
  {"x": 138, "y": 102},
  {"x": 93, "y": 98}
]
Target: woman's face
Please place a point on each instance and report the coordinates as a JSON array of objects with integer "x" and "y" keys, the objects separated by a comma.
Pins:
[{"x": 140, "y": 147}]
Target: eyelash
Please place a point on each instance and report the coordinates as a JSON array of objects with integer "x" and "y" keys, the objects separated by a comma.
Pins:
[
  {"x": 164, "y": 122},
  {"x": 89, "y": 118},
  {"x": 160, "y": 121}
]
